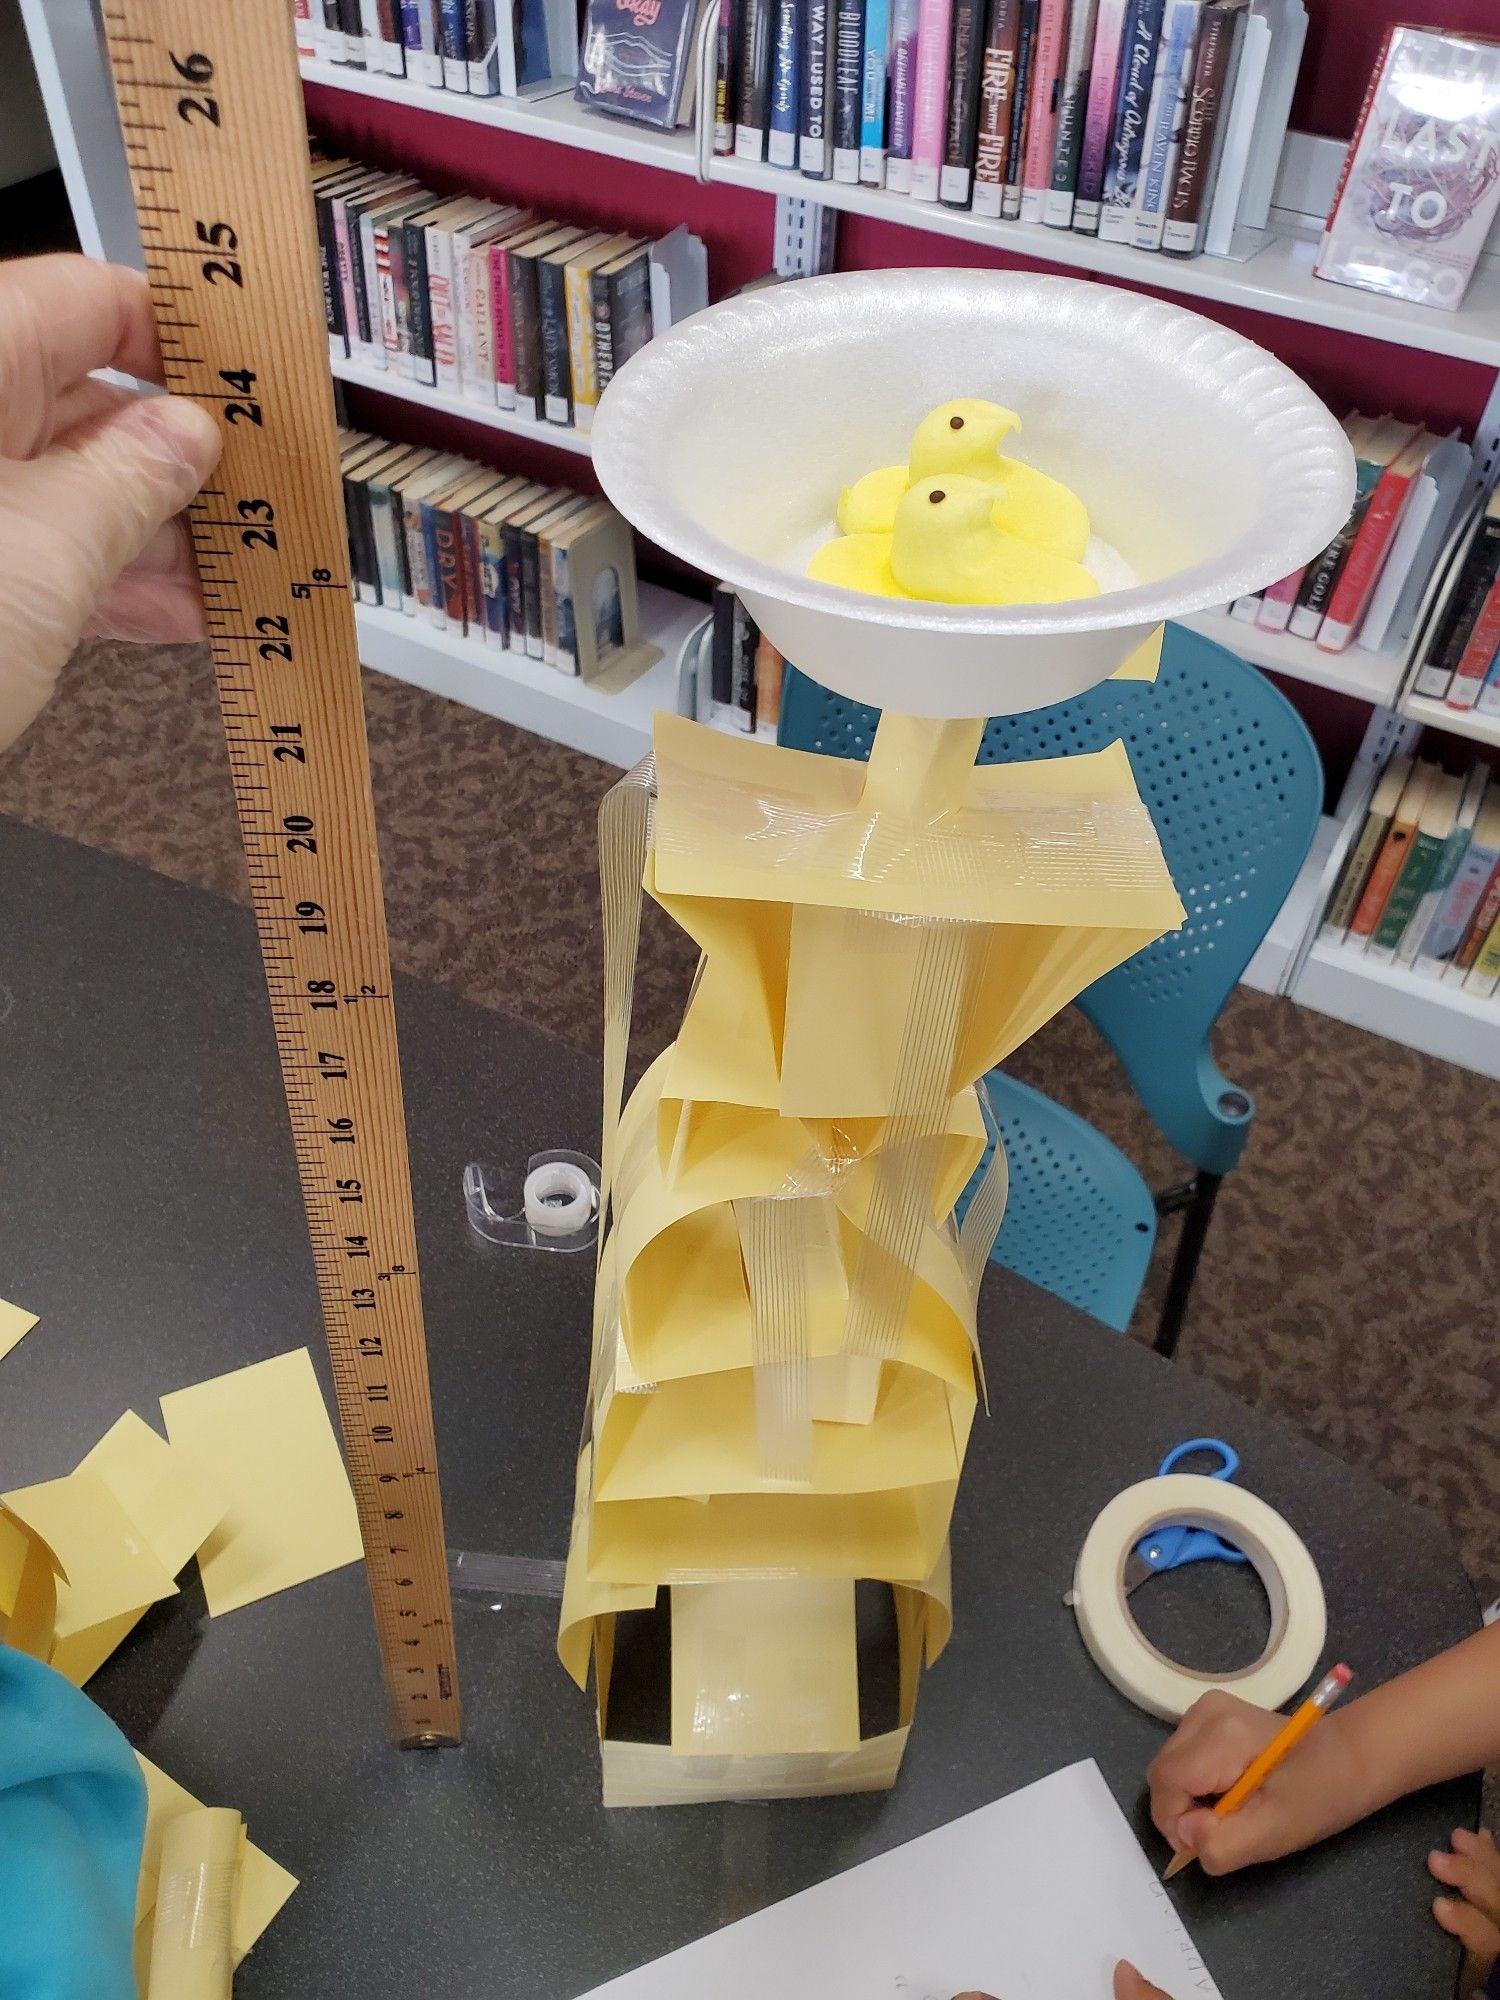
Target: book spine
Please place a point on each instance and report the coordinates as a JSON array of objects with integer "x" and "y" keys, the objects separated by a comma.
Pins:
[
  {"x": 582, "y": 361},
  {"x": 1388, "y": 865},
  {"x": 1475, "y": 938},
  {"x": 604, "y": 331},
  {"x": 1041, "y": 125},
  {"x": 1489, "y": 693},
  {"x": 630, "y": 309},
  {"x": 781, "y": 139},
  {"x": 1372, "y": 91},
  {"x": 525, "y": 324},
  {"x": 552, "y": 318},
  {"x": 1414, "y": 939},
  {"x": 430, "y": 67},
  {"x": 1020, "y": 106},
  {"x": 724, "y": 78},
  {"x": 363, "y": 566},
  {"x": 401, "y": 597},
  {"x": 307, "y": 44},
  {"x": 344, "y": 264},
  {"x": 547, "y": 598},
  {"x": 1182, "y": 226},
  {"x": 814, "y": 154},
  {"x": 392, "y": 38},
  {"x": 455, "y": 45},
  {"x": 769, "y": 666},
  {"x": 1483, "y": 977},
  {"x": 848, "y": 55},
  {"x": 515, "y": 603},
  {"x": 440, "y": 306},
  {"x": 1072, "y": 109},
  {"x": 390, "y": 337},
  {"x": 448, "y": 536},
  {"x": 531, "y": 592},
  {"x": 465, "y": 360},
  {"x": 500, "y": 319},
  {"x": 1457, "y": 910},
  {"x": 330, "y": 32},
  {"x": 1354, "y": 874},
  {"x": 1278, "y": 601},
  {"x": 997, "y": 81},
  {"x": 965, "y": 61},
  {"x": 902, "y": 84},
  {"x": 1435, "y": 676},
  {"x": 1099, "y": 117},
  {"x": 934, "y": 29},
  {"x": 1361, "y": 571},
  {"x": 567, "y": 617},
  {"x": 480, "y": 384},
  {"x": 471, "y": 556},
  {"x": 747, "y": 640},
  {"x": 1122, "y": 171},
  {"x": 366, "y": 285},
  {"x": 419, "y": 310},
  {"x": 328, "y": 271},
  {"x": 1166, "y": 121},
  {"x": 419, "y": 582},
  {"x": 1416, "y": 872},
  {"x": 369, "y": 23},
  {"x": 395, "y": 247},
  {"x": 1318, "y": 584},
  {"x": 483, "y": 47},
  {"x": 754, "y": 75},
  {"x": 492, "y": 583},
  {"x": 1474, "y": 662},
  {"x": 721, "y": 683},
  {"x": 437, "y": 583},
  {"x": 872, "y": 102}
]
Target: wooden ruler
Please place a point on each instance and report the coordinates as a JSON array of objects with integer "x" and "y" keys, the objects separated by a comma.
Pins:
[{"x": 217, "y": 144}]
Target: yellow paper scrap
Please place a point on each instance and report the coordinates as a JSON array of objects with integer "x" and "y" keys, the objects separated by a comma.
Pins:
[
  {"x": 15, "y": 1324},
  {"x": 110, "y": 1572},
  {"x": 262, "y": 1434},
  {"x": 175, "y": 1505},
  {"x": 264, "y": 1884}
]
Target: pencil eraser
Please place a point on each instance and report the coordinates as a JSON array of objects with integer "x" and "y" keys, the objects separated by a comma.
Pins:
[{"x": 1343, "y": 1675}]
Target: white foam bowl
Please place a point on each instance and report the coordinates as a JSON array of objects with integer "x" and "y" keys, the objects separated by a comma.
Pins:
[{"x": 1207, "y": 465}]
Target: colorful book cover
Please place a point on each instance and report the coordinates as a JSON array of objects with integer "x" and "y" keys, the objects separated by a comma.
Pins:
[
  {"x": 1214, "y": 71},
  {"x": 902, "y": 70},
  {"x": 1393, "y": 851},
  {"x": 419, "y": 312},
  {"x": 635, "y": 58},
  {"x": 1020, "y": 106},
  {"x": 1166, "y": 121},
  {"x": 848, "y": 77},
  {"x": 965, "y": 60},
  {"x": 786, "y": 60},
  {"x": 1371, "y": 546},
  {"x": 455, "y": 45},
  {"x": 1041, "y": 123},
  {"x": 1423, "y": 926},
  {"x": 1478, "y": 654},
  {"x": 934, "y": 30},
  {"x": 1355, "y": 873},
  {"x": 872, "y": 101},
  {"x": 1421, "y": 182},
  {"x": 1072, "y": 108},
  {"x": 753, "y": 76},
  {"x": 1278, "y": 601},
  {"x": 1122, "y": 170},
  {"x": 1099, "y": 114},
  {"x": 1475, "y": 938},
  {"x": 1424, "y": 853},
  {"x": 724, "y": 78},
  {"x": 1320, "y": 577},
  {"x": 997, "y": 84},
  {"x": 481, "y": 34},
  {"x": 814, "y": 151}
]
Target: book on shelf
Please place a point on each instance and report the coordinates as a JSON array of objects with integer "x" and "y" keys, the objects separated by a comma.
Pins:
[
  {"x": 1372, "y": 543},
  {"x": 786, "y": 59},
  {"x": 637, "y": 60},
  {"x": 1353, "y": 876},
  {"x": 1435, "y": 822},
  {"x": 874, "y": 85},
  {"x": 934, "y": 36},
  {"x": 1418, "y": 544},
  {"x": 1391, "y": 857},
  {"x": 495, "y": 559},
  {"x": 753, "y": 79},
  {"x": 847, "y": 90},
  {"x": 1419, "y": 189},
  {"x": 1215, "y": 69},
  {"x": 1377, "y": 442},
  {"x": 1474, "y": 870},
  {"x": 814, "y": 147},
  {"x": 724, "y": 60},
  {"x": 1072, "y": 106},
  {"x": 997, "y": 82},
  {"x": 1138, "y": 58},
  {"x": 1278, "y": 601},
  {"x": 1424, "y": 924},
  {"x": 965, "y": 63},
  {"x": 901, "y": 72},
  {"x": 1478, "y": 938},
  {"x": 1457, "y": 639},
  {"x": 1041, "y": 119},
  {"x": 1166, "y": 121},
  {"x": 1020, "y": 105},
  {"x": 482, "y": 39}
]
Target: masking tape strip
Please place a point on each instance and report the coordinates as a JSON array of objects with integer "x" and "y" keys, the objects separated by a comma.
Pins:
[{"x": 1121, "y": 1651}]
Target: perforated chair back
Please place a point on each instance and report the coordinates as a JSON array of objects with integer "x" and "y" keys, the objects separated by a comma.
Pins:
[{"x": 1233, "y": 782}]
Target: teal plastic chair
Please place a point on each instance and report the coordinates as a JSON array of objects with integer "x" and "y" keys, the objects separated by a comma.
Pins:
[{"x": 1233, "y": 781}]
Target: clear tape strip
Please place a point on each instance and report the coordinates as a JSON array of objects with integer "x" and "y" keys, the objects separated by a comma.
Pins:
[
  {"x": 522, "y": 1576},
  {"x": 191, "y": 1956},
  {"x": 981, "y": 1224},
  {"x": 940, "y": 1004},
  {"x": 774, "y": 1238}
]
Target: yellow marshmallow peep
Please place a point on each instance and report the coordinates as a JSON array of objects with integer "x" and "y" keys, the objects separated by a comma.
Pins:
[
  {"x": 965, "y": 436},
  {"x": 945, "y": 547},
  {"x": 868, "y": 507},
  {"x": 857, "y": 562}
]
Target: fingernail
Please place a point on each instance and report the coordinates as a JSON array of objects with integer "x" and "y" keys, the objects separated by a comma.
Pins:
[
  {"x": 1184, "y": 1835},
  {"x": 184, "y": 434}
]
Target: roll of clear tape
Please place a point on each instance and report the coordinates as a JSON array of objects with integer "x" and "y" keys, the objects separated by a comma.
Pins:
[
  {"x": 1123, "y": 1653},
  {"x": 559, "y": 1198}
]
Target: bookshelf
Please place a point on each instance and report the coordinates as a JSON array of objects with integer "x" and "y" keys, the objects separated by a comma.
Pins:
[
  {"x": 386, "y": 382},
  {"x": 1369, "y": 677},
  {"x": 1454, "y": 721},
  {"x": 1277, "y": 280},
  {"x": 613, "y": 727}
]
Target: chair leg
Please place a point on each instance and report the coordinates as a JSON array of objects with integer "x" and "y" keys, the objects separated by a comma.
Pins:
[{"x": 1197, "y": 1214}]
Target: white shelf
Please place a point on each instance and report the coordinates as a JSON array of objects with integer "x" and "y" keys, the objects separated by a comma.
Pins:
[
  {"x": 613, "y": 727},
  {"x": 1277, "y": 280},
  {"x": 1426, "y": 1014},
  {"x": 559, "y": 118},
  {"x": 1457, "y": 721},
  {"x": 387, "y": 382},
  {"x": 1371, "y": 677},
  {"x": 1270, "y": 969}
]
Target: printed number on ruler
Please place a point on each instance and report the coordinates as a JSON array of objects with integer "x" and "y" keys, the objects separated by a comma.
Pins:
[{"x": 216, "y": 140}]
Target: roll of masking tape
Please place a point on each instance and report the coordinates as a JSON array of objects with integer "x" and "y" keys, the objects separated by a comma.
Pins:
[
  {"x": 1123, "y": 1653},
  {"x": 559, "y": 1198}
]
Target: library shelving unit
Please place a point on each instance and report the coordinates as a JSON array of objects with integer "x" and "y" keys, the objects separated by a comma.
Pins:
[{"x": 1276, "y": 279}]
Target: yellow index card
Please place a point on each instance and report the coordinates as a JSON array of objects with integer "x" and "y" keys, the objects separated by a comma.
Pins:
[
  {"x": 15, "y": 1324},
  {"x": 173, "y": 1504},
  {"x": 264, "y": 1884},
  {"x": 262, "y": 1435},
  {"x": 110, "y": 1572}
]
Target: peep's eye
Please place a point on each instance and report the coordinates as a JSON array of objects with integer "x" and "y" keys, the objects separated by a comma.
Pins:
[
  {"x": 955, "y": 423},
  {"x": 935, "y": 496}
]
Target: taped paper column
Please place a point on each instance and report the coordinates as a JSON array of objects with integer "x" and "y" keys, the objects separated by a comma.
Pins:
[{"x": 785, "y": 1370}]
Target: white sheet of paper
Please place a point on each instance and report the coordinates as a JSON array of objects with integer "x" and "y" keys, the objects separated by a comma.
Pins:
[{"x": 1035, "y": 1897}]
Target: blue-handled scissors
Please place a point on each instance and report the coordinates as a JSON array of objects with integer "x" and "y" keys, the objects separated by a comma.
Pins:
[{"x": 1173, "y": 1545}]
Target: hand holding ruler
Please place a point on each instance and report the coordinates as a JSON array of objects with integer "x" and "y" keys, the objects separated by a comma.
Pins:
[{"x": 215, "y": 136}]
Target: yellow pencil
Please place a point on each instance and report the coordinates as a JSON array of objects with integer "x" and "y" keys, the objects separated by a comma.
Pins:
[{"x": 1260, "y": 1768}]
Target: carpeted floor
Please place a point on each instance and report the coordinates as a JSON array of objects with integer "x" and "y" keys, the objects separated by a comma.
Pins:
[{"x": 1350, "y": 1279}]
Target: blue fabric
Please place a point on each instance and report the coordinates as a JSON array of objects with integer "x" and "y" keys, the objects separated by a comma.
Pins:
[{"x": 72, "y": 1820}]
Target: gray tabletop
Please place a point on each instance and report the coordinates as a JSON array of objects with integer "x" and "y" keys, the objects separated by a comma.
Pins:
[{"x": 148, "y": 1212}]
